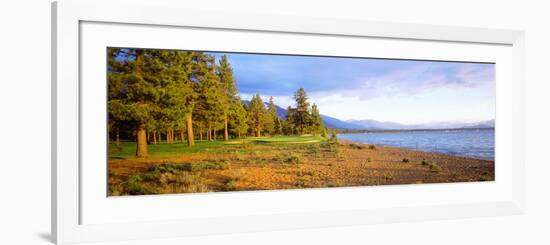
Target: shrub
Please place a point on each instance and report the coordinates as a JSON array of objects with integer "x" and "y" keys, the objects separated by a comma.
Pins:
[
  {"x": 388, "y": 176},
  {"x": 231, "y": 185},
  {"x": 485, "y": 176},
  {"x": 189, "y": 182},
  {"x": 185, "y": 178},
  {"x": 150, "y": 176},
  {"x": 425, "y": 163},
  {"x": 333, "y": 137},
  {"x": 300, "y": 183},
  {"x": 237, "y": 174},
  {"x": 294, "y": 159},
  {"x": 165, "y": 167},
  {"x": 435, "y": 168},
  {"x": 194, "y": 167},
  {"x": 372, "y": 147},
  {"x": 194, "y": 188},
  {"x": 356, "y": 146},
  {"x": 405, "y": 160},
  {"x": 315, "y": 150},
  {"x": 133, "y": 185},
  {"x": 369, "y": 159},
  {"x": 240, "y": 157},
  {"x": 258, "y": 160},
  {"x": 114, "y": 191},
  {"x": 304, "y": 173}
]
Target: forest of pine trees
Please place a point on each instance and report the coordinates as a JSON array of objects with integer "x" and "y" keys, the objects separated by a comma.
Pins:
[{"x": 170, "y": 96}]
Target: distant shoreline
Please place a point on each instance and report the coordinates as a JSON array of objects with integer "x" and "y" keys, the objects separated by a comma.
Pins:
[{"x": 350, "y": 131}]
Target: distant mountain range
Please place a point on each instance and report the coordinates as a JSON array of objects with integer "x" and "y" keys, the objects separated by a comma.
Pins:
[
  {"x": 332, "y": 122},
  {"x": 372, "y": 124}
]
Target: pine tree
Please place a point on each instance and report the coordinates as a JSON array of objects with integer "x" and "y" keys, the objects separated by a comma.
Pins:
[
  {"x": 239, "y": 119},
  {"x": 117, "y": 74},
  {"x": 271, "y": 117},
  {"x": 302, "y": 118},
  {"x": 225, "y": 73},
  {"x": 288, "y": 125},
  {"x": 278, "y": 128},
  {"x": 178, "y": 98},
  {"x": 317, "y": 126},
  {"x": 210, "y": 91},
  {"x": 257, "y": 115}
]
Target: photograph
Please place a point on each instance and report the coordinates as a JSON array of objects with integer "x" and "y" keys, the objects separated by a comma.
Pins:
[{"x": 188, "y": 121}]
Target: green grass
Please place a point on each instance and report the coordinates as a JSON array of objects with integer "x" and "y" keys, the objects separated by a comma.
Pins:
[
  {"x": 285, "y": 140},
  {"x": 127, "y": 150}
]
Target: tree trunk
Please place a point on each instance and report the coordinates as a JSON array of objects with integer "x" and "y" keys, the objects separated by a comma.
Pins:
[
  {"x": 200, "y": 133},
  {"x": 209, "y": 133},
  {"x": 117, "y": 137},
  {"x": 160, "y": 137},
  {"x": 141, "y": 141},
  {"x": 225, "y": 133},
  {"x": 182, "y": 135},
  {"x": 214, "y": 131},
  {"x": 155, "y": 137},
  {"x": 190, "y": 135},
  {"x": 172, "y": 136},
  {"x": 239, "y": 133},
  {"x": 148, "y": 137}
]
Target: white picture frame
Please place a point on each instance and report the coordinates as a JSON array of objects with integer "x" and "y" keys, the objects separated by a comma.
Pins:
[{"x": 68, "y": 194}]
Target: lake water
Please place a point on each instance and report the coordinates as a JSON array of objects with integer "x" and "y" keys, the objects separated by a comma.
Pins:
[{"x": 470, "y": 143}]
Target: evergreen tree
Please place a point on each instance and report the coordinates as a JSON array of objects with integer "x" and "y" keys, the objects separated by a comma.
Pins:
[
  {"x": 239, "y": 119},
  {"x": 135, "y": 84},
  {"x": 162, "y": 94},
  {"x": 117, "y": 75},
  {"x": 271, "y": 117},
  {"x": 229, "y": 97},
  {"x": 317, "y": 126},
  {"x": 278, "y": 127},
  {"x": 302, "y": 118},
  {"x": 257, "y": 115},
  {"x": 178, "y": 96},
  {"x": 288, "y": 125},
  {"x": 210, "y": 91}
]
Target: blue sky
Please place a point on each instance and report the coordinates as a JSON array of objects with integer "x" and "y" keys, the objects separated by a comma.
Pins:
[{"x": 403, "y": 91}]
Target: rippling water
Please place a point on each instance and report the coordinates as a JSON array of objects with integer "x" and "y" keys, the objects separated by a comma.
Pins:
[{"x": 470, "y": 143}]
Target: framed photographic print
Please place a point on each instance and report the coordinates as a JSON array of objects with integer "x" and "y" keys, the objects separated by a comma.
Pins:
[{"x": 208, "y": 123}]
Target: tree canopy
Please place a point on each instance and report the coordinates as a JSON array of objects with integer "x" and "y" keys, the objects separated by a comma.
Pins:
[{"x": 153, "y": 94}]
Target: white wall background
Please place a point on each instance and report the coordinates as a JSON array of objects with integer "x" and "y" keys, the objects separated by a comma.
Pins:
[{"x": 25, "y": 122}]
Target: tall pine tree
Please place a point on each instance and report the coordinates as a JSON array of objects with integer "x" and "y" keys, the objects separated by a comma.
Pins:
[
  {"x": 229, "y": 97},
  {"x": 302, "y": 118},
  {"x": 257, "y": 115},
  {"x": 288, "y": 125},
  {"x": 239, "y": 119},
  {"x": 135, "y": 85},
  {"x": 271, "y": 117}
]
